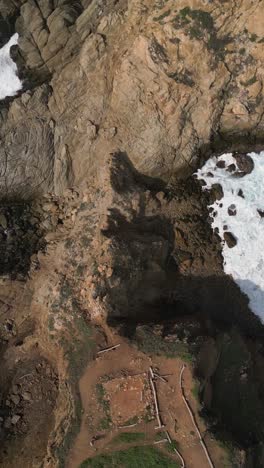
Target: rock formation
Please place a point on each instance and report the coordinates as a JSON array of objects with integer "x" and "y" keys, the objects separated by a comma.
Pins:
[
  {"x": 166, "y": 83},
  {"x": 100, "y": 222}
]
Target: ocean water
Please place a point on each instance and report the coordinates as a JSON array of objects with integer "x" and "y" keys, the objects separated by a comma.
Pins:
[
  {"x": 241, "y": 212},
  {"x": 10, "y": 84}
]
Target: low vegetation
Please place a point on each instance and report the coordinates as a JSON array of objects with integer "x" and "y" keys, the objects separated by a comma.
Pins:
[
  {"x": 129, "y": 437},
  {"x": 198, "y": 24},
  {"x": 136, "y": 457},
  {"x": 151, "y": 343},
  {"x": 79, "y": 347},
  {"x": 106, "y": 421}
]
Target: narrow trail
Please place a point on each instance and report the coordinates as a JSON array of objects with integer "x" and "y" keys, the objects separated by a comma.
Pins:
[{"x": 193, "y": 419}]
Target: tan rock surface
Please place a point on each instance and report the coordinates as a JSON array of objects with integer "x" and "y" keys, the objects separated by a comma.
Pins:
[
  {"x": 176, "y": 81},
  {"x": 158, "y": 83}
]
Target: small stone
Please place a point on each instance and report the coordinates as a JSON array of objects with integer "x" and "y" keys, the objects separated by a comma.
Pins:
[
  {"x": 3, "y": 221},
  {"x": 9, "y": 325},
  {"x": 15, "y": 389},
  {"x": 240, "y": 193},
  {"x": 221, "y": 164},
  {"x": 232, "y": 210},
  {"x": 160, "y": 196},
  {"x": 7, "y": 423},
  {"x": 231, "y": 168},
  {"x": 245, "y": 163},
  {"x": 186, "y": 264},
  {"x": 15, "y": 399},
  {"x": 217, "y": 192},
  {"x": 15, "y": 419},
  {"x": 230, "y": 239},
  {"x": 27, "y": 396}
]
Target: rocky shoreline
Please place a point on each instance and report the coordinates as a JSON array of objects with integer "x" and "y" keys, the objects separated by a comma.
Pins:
[{"x": 105, "y": 233}]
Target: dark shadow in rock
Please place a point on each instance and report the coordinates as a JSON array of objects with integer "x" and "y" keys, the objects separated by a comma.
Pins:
[
  {"x": 227, "y": 143},
  {"x": 124, "y": 176},
  {"x": 20, "y": 238},
  {"x": 216, "y": 300}
]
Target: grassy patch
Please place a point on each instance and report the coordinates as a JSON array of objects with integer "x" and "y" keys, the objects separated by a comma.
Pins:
[
  {"x": 131, "y": 421},
  {"x": 106, "y": 421},
  {"x": 151, "y": 343},
  {"x": 129, "y": 437},
  {"x": 148, "y": 415},
  {"x": 136, "y": 457},
  {"x": 253, "y": 37},
  {"x": 229, "y": 459},
  {"x": 196, "y": 391},
  {"x": 199, "y": 25},
  {"x": 164, "y": 15},
  {"x": 100, "y": 392},
  {"x": 160, "y": 435},
  {"x": 171, "y": 447}
]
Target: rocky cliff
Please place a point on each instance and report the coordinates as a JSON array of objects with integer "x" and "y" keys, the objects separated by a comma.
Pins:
[
  {"x": 103, "y": 231},
  {"x": 166, "y": 83}
]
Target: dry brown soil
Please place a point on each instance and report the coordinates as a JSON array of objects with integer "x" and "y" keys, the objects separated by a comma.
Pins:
[{"x": 127, "y": 362}]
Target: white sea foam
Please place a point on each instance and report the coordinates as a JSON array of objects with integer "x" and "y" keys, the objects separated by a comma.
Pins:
[
  {"x": 10, "y": 84},
  {"x": 245, "y": 261}
]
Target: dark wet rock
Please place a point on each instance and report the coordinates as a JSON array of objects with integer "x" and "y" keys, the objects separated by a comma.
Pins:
[
  {"x": 245, "y": 164},
  {"x": 232, "y": 211},
  {"x": 241, "y": 193},
  {"x": 261, "y": 213},
  {"x": 231, "y": 167},
  {"x": 230, "y": 239},
  {"x": 221, "y": 164},
  {"x": 216, "y": 192}
]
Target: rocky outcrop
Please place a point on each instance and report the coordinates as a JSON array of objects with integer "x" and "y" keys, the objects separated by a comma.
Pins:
[
  {"x": 121, "y": 100},
  {"x": 27, "y": 147},
  {"x": 167, "y": 83}
]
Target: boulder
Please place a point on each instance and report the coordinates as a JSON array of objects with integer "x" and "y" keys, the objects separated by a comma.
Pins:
[{"x": 230, "y": 239}]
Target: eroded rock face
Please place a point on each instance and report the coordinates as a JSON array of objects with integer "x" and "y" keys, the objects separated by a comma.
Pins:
[
  {"x": 160, "y": 85},
  {"x": 167, "y": 83},
  {"x": 26, "y": 147}
]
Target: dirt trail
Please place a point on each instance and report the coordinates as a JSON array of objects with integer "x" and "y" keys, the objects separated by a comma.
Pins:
[{"x": 128, "y": 360}]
